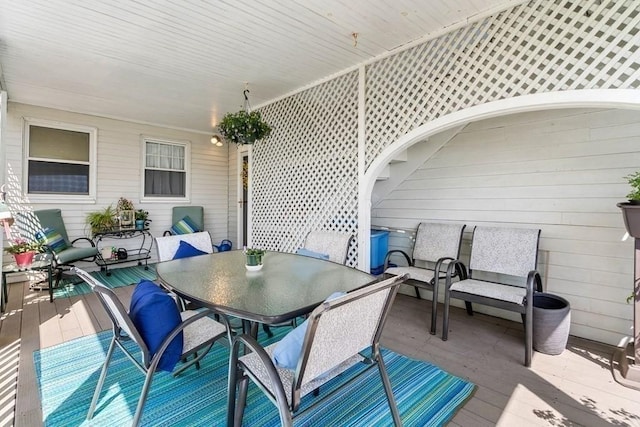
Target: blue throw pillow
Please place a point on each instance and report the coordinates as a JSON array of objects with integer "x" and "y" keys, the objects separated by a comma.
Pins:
[
  {"x": 287, "y": 352},
  {"x": 184, "y": 226},
  {"x": 307, "y": 252},
  {"x": 155, "y": 314},
  {"x": 186, "y": 250}
]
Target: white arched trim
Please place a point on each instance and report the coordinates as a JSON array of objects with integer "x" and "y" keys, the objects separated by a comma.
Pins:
[{"x": 587, "y": 98}]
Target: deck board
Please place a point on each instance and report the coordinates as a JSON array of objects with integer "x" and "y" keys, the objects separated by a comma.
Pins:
[{"x": 574, "y": 388}]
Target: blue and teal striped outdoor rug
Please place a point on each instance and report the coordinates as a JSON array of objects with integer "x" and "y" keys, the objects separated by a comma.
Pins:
[
  {"x": 67, "y": 375},
  {"x": 118, "y": 277}
]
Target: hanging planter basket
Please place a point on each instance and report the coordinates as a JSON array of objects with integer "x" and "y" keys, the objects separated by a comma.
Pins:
[{"x": 244, "y": 127}]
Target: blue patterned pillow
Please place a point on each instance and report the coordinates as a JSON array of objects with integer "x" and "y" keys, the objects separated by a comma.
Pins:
[
  {"x": 155, "y": 314},
  {"x": 184, "y": 226},
  {"x": 53, "y": 239}
]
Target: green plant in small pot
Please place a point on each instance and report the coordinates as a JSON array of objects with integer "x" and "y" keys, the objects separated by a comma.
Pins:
[
  {"x": 102, "y": 220},
  {"x": 23, "y": 251},
  {"x": 243, "y": 127},
  {"x": 142, "y": 219},
  {"x": 254, "y": 259}
]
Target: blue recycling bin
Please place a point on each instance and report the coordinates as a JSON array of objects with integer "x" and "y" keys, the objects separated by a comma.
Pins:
[{"x": 379, "y": 248}]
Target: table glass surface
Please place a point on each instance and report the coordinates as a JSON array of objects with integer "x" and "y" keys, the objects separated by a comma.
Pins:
[{"x": 287, "y": 286}]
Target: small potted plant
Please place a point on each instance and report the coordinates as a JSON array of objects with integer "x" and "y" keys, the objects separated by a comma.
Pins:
[
  {"x": 243, "y": 127},
  {"x": 141, "y": 219},
  {"x": 631, "y": 209},
  {"x": 23, "y": 251},
  {"x": 103, "y": 220},
  {"x": 254, "y": 259},
  {"x": 125, "y": 211}
]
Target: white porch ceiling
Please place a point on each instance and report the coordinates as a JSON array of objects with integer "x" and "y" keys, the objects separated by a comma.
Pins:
[{"x": 184, "y": 63}]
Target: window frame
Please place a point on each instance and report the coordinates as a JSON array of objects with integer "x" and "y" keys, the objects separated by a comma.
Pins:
[
  {"x": 187, "y": 169},
  {"x": 93, "y": 161}
]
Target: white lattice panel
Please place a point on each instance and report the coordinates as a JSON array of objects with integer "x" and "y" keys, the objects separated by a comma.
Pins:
[
  {"x": 541, "y": 46},
  {"x": 305, "y": 173}
]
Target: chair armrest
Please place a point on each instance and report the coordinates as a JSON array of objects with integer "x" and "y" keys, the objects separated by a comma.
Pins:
[
  {"x": 166, "y": 233},
  {"x": 455, "y": 268},
  {"x": 252, "y": 344},
  {"x": 438, "y": 266},
  {"x": 91, "y": 242},
  {"x": 396, "y": 251},
  {"x": 534, "y": 278}
]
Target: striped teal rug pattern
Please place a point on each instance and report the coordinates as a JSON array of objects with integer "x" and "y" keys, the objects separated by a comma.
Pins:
[
  {"x": 118, "y": 277},
  {"x": 67, "y": 375}
]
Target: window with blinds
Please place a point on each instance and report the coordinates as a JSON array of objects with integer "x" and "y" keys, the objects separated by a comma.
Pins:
[
  {"x": 165, "y": 168},
  {"x": 59, "y": 159}
]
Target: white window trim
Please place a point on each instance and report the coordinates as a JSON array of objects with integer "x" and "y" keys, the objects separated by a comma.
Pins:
[
  {"x": 187, "y": 169},
  {"x": 93, "y": 162}
]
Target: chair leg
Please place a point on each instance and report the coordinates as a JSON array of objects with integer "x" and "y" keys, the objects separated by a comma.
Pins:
[
  {"x": 267, "y": 330},
  {"x": 103, "y": 375},
  {"x": 469, "y": 307},
  {"x": 445, "y": 315},
  {"x": 434, "y": 309},
  {"x": 417, "y": 292},
  {"x": 143, "y": 397},
  {"x": 528, "y": 335},
  {"x": 388, "y": 391}
]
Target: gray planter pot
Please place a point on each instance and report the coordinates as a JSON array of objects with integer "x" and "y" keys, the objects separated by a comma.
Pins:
[
  {"x": 631, "y": 216},
  {"x": 551, "y": 323}
]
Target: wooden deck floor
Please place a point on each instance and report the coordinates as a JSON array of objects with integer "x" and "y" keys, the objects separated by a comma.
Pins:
[{"x": 572, "y": 389}]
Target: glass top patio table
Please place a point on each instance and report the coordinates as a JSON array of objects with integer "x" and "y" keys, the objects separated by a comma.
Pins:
[{"x": 287, "y": 286}]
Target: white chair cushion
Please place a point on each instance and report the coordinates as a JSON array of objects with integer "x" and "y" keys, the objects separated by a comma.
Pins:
[
  {"x": 514, "y": 294},
  {"x": 168, "y": 245}
]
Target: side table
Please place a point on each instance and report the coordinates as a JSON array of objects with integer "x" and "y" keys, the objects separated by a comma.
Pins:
[{"x": 37, "y": 265}]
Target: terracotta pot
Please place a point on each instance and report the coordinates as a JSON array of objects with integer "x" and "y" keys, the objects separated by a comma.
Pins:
[{"x": 24, "y": 259}]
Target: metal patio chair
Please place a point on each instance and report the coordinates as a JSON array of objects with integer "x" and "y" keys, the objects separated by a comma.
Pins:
[
  {"x": 178, "y": 213},
  {"x": 332, "y": 243},
  {"x": 50, "y": 221},
  {"x": 436, "y": 245},
  {"x": 502, "y": 273},
  {"x": 337, "y": 331},
  {"x": 199, "y": 334}
]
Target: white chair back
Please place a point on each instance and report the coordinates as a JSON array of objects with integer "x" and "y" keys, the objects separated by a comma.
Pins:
[{"x": 333, "y": 243}]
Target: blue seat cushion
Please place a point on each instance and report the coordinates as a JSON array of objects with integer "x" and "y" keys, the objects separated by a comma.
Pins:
[
  {"x": 287, "y": 352},
  {"x": 184, "y": 226},
  {"x": 307, "y": 252},
  {"x": 52, "y": 238},
  {"x": 155, "y": 314},
  {"x": 186, "y": 250}
]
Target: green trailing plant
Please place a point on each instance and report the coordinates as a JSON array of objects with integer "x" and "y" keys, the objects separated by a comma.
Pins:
[
  {"x": 102, "y": 220},
  {"x": 634, "y": 181},
  {"x": 243, "y": 127}
]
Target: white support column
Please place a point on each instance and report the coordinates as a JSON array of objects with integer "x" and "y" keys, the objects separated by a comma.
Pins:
[{"x": 364, "y": 196}]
